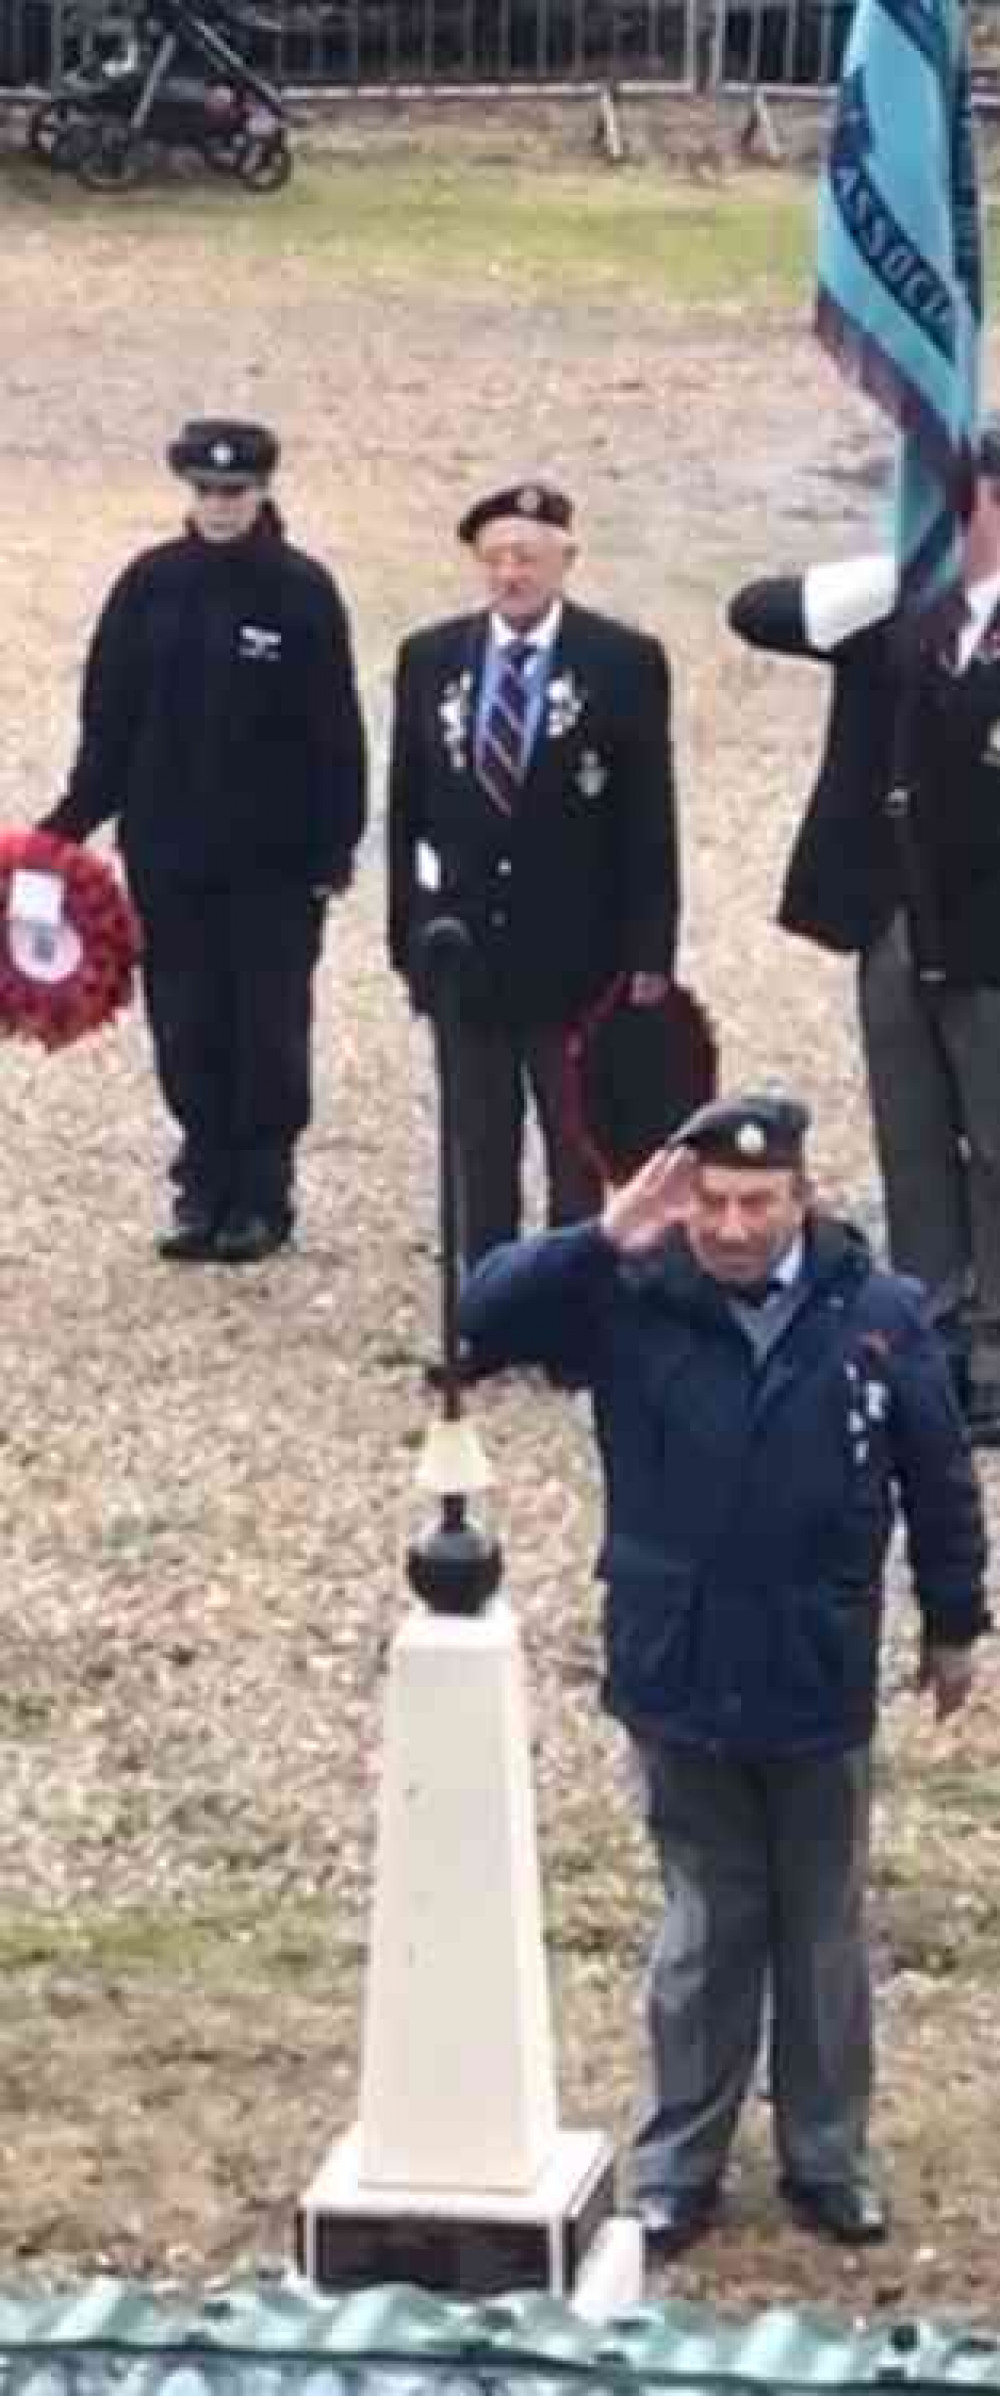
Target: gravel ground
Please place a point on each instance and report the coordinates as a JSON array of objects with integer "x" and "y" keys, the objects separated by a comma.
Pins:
[{"x": 206, "y": 1479}]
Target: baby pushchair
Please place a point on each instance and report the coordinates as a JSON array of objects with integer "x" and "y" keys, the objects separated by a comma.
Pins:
[{"x": 173, "y": 82}]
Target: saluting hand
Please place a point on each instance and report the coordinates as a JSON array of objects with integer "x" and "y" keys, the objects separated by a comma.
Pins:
[{"x": 639, "y": 1215}]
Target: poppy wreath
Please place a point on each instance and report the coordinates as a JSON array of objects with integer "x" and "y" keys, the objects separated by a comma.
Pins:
[
  {"x": 57, "y": 1007},
  {"x": 632, "y": 1075}
]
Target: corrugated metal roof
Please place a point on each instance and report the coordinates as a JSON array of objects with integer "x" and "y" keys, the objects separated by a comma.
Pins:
[{"x": 115, "y": 2338}]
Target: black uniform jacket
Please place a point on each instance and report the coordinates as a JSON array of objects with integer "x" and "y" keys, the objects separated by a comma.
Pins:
[
  {"x": 220, "y": 720},
  {"x": 580, "y": 881},
  {"x": 842, "y": 885}
]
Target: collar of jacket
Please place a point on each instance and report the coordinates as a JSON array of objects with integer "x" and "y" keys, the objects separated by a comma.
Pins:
[
  {"x": 262, "y": 541},
  {"x": 475, "y": 632},
  {"x": 837, "y": 1255}
]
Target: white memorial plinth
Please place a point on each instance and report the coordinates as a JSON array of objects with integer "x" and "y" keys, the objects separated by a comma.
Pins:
[
  {"x": 457, "y": 2086},
  {"x": 457, "y": 2175}
]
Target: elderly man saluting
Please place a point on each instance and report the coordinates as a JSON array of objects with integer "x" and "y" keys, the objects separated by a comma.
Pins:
[{"x": 764, "y": 1399}]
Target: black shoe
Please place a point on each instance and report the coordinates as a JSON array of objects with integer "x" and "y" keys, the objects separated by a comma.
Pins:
[
  {"x": 191, "y": 1237},
  {"x": 851, "y": 2211},
  {"x": 673, "y": 2220},
  {"x": 248, "y": 1239}
]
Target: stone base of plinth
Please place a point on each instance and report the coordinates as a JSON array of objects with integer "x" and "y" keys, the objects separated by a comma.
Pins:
[{"x": 561, "y": 2237}]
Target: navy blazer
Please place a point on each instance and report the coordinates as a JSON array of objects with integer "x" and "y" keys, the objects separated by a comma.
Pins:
[
  {"x": 842, "y": 884},
  {"x": 580, "y": 880}
]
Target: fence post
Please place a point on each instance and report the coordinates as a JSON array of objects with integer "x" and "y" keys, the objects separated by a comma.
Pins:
[{"x": 57, "y": 46}]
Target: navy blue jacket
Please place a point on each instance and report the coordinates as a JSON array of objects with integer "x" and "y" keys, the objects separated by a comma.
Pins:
[
  {"x": 220, "y": 721},
  {"x": 749, "y": 1507}
]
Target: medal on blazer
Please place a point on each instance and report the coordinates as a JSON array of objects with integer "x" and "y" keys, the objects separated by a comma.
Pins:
[
  {"x": 563, "y": 705},
  {"x": 591, "y": 774},
  {"x": 454, "y": 710}
]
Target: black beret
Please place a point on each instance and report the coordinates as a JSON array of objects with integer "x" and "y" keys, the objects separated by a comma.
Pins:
[
  {"x": 221, "y": 449},
  {"x": 536, "y": 503},
  {"x": 766, "y": 1131},
  {"x": 634, "y": 1073}
]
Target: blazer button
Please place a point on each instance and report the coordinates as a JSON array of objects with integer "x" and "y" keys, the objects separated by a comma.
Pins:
[
  {"x": 503, "y": 866},
  {"x": 498, "y": 917}
]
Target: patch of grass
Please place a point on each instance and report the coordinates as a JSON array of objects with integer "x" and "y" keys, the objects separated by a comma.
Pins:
[
  {"x": 485, "y": 225},
  {"x": 965, "y": 1792},
  {"x": 26, "y": 1713},
  {"x": 275, "y": 1944},
  {"x": 488, "y": 224},
  {"x": 929, "y": 1929}
]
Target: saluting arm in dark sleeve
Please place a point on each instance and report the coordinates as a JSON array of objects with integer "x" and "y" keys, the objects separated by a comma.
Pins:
[
  {"x": 939, "y": 1492},
  {"x": 109, "y": 700},
  {"x": 815, "y": 614},
  {"x": 650, "y": 869},
  {"x": 404, "y": 814},
  {"x": 540, "y": 1301},
  {"x": 339, "y": 734}
]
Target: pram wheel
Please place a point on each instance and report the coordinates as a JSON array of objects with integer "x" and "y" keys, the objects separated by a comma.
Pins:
[
  {"x": 108, "y": 158},
  {"x": 222, "y": 152},
  {"x": 265, "y": 162},
  {"x": 52, "y": 131}
]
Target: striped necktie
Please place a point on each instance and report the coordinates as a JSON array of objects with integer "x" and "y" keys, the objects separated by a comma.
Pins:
[{"x": 502, "y": 750}]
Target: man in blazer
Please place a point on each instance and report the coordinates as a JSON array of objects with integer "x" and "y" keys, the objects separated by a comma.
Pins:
[
  {"x": 931, "y": 1048},
  {"x": 531, "y": 795}
]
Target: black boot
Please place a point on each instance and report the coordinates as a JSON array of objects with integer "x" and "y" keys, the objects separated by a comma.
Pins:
[
  {"x": 852, "y": 2212},
  {"x": 190, "y": 1238},
  {"x": 246, "y": 1239}
]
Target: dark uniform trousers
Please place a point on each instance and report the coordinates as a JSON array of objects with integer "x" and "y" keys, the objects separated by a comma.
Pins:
[
  {"x": 228, "y": 986},
  {"x": 497, "y": 1068},
  {"x": 941, "y": 1178},
  {"x": 764, "y": 1867}
]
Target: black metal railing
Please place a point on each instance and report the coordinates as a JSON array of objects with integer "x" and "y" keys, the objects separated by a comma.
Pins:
[{"x": 414, "y": 44}]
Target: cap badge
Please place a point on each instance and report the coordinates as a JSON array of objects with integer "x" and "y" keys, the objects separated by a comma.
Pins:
[
  {"x": 222, "y": 454},
  {"x": 750, "y": 1140},
  {"x": 529, "y": 501}
]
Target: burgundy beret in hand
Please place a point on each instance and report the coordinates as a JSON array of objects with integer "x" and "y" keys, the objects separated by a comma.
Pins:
[{"x": 634, "y": 1073}]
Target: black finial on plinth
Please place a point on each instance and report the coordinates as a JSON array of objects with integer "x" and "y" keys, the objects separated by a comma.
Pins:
[{"x": 454, "y": 1567}]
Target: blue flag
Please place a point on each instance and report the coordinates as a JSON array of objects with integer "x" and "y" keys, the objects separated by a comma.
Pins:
[{"x": 900, "y": 275}]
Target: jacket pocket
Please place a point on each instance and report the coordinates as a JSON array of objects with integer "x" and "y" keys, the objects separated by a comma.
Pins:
[
  {"x": 649, "y": 1624},
  {"x": 824, "y": 1656}
]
